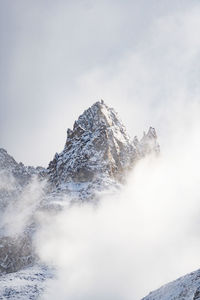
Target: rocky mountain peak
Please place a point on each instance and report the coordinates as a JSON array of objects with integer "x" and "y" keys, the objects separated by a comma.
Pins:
[
  {"x": 98, "y": 145},
  {"x": 148, "y": 144},
  {"x": 6, "y": 161},
  {"x": 98, "y": 116},
  {"x": 97, "y": 154},
  {"x": 17, "y": 172}
]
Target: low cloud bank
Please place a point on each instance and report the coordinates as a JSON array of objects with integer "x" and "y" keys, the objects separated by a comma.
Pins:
[{"x": 136, "y": 240}]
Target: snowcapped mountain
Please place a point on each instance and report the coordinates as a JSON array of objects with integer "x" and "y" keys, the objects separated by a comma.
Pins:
[
  {"x": 98, "y": 154},
  {"x": 15, "y": 250},
  {"x": 184, "y": 288}
]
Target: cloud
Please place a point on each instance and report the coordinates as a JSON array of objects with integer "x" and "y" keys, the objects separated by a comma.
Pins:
[
  {"x": 138, "y": 239},
  {"x": 148, "y": 234},
  {"x": 21, "y": 205}
]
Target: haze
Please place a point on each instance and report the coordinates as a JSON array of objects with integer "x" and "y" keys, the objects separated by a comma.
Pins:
[{"x": 142, "y": 58}]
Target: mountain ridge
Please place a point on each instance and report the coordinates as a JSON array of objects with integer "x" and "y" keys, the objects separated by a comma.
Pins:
[
  {"x": 97, "y": 156},
  {"x": 98, "y": 146}
]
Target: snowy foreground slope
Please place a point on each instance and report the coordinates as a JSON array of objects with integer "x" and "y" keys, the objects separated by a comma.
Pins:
[
  {"x": 184, "y": 288},
  {"x": 26, "y": 284},
  {"x": 30, "y": 283}
]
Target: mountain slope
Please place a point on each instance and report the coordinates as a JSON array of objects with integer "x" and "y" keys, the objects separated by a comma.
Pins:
[
  {"x": 15, "y": 178},
  {"x": 98, "y": 152},
  {"x": 184, "y": 288},
  {"x": 97, "y": 156}
]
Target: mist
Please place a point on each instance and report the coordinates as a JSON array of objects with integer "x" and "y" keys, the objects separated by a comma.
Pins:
[
  {"x": 142, "y": 59},
  {"x": 22, "y": 206},
  {"x": 135, "y": 240}
]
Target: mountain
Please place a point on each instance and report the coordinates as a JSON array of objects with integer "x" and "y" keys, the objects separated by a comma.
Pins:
[
  {"x": 15, "y": 250},
  {"x": 98, "y": 153},
  {"x": 14, "y": 177},
  {"x": 97, "y": 156},
  {"x": 184, "y": 288}
]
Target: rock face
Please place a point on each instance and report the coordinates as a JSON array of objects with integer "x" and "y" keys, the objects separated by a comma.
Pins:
[
  {"x": 147, "y": 144},
  {"x": 184, "y": 288},
  {"x": 98, "y": 150},
  {"x": 20, "y": 174},
  {"x": 15, "y": 251},
  {"x": 97, "y": 155},
  {"x": 98, "y": 145},
  {"x": 14, "y": 177}
]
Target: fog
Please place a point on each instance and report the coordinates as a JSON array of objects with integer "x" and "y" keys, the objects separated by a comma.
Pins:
[
  {"x": 59, "y": 57},
  {"x": 142, "y": 59},
  {"x": 21, "y": 207},
  {"x": 136, "y": 240}
]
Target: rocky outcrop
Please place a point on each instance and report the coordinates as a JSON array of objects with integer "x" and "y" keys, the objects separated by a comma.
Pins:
[
  {"x": 98, "y": 149},
  {"x": 183, "y": 288},
  {"x": 197, "y": 293},
  {"x": 15, "y": 251},
  {"x": 148, "y": 144},
  {"x": 98, "y": 145},
  {"x": 16, "y": 173}
]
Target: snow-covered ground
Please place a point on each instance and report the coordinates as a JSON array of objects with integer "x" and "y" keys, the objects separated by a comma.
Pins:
[{"x": 25, "y": 284}]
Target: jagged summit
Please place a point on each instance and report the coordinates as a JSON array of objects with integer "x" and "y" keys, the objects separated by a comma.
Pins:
[
  {"x": 147, "y": 144},
  {"x": 20, "y": 173},
  {"x": 98, "y": 145},
  {"x": 97, "y": 155},
  {"x": 184, "y": 288},
  {"x": 97, "y": 150},
  {"x": 98, "y": 115},
  {"x": 6, "y": 161}
]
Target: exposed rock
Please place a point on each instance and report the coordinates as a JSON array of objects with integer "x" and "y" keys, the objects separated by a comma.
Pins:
[
  {"x": 27, "y": 284},
  {"x": 197, "y": 294},
  {"x": 15, "y": 252},
  {"x": 148, "y": 144},
  {"x": 98, "y": 149},
  {"x": 98, "y": 144},
  {"x": 97, "y": 155},
  {"x": 183, "y": 288},
  {"x": 16, "y": 173}
]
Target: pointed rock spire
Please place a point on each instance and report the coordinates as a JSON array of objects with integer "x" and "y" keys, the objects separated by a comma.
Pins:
[
  {"x": 148, "y": 144},
  {"x": 98, "y": 144},
  {"x": 98, "y": 147}
]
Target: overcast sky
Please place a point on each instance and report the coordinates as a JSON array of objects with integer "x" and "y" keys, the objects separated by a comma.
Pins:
[{"x": 58, "y": 57}]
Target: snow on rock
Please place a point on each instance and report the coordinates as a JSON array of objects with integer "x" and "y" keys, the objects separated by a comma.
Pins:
[
  {"x": 147, "y": 144},
  {"x": 97, "y": 150},
  {"x": 97, "y": 156},
  {"x": 15, "y": 251},
  {"x": 184, "y": 288},
  {"x": 15, "y": 172},
  {"x": 26, "y": 284}
]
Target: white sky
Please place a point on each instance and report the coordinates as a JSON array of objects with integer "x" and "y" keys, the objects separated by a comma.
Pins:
[{"x": 58, "y": 57}]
